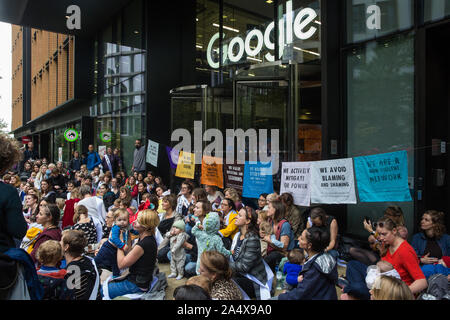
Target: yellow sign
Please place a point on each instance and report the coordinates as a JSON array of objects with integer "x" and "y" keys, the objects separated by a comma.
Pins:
[
  {"x": 212, "y": 171},
  {"x": 186, "y": 165}
]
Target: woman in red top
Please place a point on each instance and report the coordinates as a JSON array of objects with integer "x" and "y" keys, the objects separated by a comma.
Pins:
[
  {"x": 69, "y": 208},
  {"x": 401, "y": 255}
]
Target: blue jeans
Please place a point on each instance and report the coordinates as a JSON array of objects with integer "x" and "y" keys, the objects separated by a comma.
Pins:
[
  {"x": 106, "y": 258},
  {"x": 120, "y": 288}
]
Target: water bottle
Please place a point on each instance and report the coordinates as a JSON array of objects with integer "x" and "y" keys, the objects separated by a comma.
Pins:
[{"x": 279, "y": 278}]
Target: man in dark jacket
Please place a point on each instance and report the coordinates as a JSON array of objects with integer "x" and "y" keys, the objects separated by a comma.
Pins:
[
  {"x": 58, "y": 181},
  {"x": 319, "y": 274},
  {"x": 109, "y": 162}
]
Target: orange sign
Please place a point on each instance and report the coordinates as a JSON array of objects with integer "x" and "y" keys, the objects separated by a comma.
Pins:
[{"x": 212, "y": 171}]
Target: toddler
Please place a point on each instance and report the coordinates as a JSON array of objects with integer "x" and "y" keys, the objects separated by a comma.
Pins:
[
  {"x": 382, "y": 268},
  {"x": 208, "y": 238},
  {"x": 178, "y": 255},
  {"x": 200, "y": 281},
  {"x": 293, "y": 267},
  {"x": 107, "y": 255},
  {"x": 49, "y": 255},
  {"x": 265, "y": 229}
]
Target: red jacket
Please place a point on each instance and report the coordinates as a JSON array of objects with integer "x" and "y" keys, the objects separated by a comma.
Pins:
[{"x": 69, "y": 211}]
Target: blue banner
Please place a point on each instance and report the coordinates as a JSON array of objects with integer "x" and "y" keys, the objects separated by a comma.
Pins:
[
  {"x": 383, "y": 177},
  {"x": 257, "y": 179}
]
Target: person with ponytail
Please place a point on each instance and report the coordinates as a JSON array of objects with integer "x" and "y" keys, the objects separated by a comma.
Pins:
[{"x": 283, "y": 232}]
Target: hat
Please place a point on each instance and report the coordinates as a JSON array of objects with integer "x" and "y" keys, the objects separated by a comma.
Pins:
[{"x": 179, "y": 224}]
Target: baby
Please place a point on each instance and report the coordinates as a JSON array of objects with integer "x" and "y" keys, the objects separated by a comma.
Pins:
[
  {"x": 265, "y": 229},
  {"x": 107, "y": 255},
  {"x": 208, "y": 238},
  {"x": 200, "y": 281},
  {"x": 382, "y": 268},
  {"x": 177, "y": 238},
  {"x": 293, "y": 267}
]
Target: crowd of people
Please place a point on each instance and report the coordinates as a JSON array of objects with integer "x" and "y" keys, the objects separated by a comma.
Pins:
[{"x": 70, "y": 226}]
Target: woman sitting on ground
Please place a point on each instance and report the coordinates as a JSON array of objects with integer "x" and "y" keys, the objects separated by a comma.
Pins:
[
  {"x": 432, "y": 244},
  {"x": 283, "y": 232},
  {"x": 48, "y": 217},
  {"x": 399, "y": 253},
  {"x": 319, "y": 274},
  {"x": 216, "y": 268},
  {"x": 140, "y": 260},
  {"x": 246, "y": 254},
  {"x": 320, "y": 219},
  {"x": 370, "y": 257}
]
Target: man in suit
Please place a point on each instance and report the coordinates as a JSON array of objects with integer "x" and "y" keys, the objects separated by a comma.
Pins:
[{"x": 109, "y": 162}]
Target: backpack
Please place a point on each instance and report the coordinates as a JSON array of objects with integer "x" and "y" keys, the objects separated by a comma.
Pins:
[
  {"x": 8, "y": 275},
  {"x": 438, "y": 288}
]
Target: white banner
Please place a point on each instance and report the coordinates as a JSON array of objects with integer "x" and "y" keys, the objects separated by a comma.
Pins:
[
  {"x": 101, "y": 151},
  {"x": 332, "y": 182},
  {"x": 60, "y": 154},
  {"x": 295, "y": 179},
  {"x": 152, "y": 153}
]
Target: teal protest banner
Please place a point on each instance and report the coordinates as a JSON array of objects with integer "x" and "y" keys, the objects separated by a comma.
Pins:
[{"x": 383, "y": 177}]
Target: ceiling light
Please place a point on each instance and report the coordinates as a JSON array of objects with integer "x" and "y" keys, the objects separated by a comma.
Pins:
[
  {"x": 227, "y": 28},
  {"x": 307, "y": 51},
  {"x": 254, "y": 59},
  {"x": 136, "y": 31},
  {"x": 199, "y": 46},
  {"x": 269, "y": 1}
]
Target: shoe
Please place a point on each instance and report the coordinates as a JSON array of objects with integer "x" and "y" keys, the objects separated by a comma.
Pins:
[
  {"x": 179, "y": 277},
  {"x": 342, "y": 282},
  {"x": 172, "y": 275}
]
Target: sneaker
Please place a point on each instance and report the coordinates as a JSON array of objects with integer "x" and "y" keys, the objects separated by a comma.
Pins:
[
  {"x": 172, "y": 275},
  {"x": 342, "y": 282},
  {"x": 179, "y": 277}
]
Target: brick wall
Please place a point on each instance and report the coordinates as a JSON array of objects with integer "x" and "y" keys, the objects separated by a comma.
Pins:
[
  {"x": 17, "y": 77},
  {"x": 49, "y": 55}
]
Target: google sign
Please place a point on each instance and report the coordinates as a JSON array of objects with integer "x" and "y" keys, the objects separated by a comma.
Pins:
[{"x": 297, "y": 26}]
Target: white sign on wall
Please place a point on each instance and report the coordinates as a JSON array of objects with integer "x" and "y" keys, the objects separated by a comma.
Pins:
[
  {"x": 332, "y": 182},
  {"x": 295, "y": 179}
]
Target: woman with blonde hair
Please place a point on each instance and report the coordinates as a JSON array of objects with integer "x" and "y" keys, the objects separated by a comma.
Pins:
[
  {"x": 140, "y": 260},
  {"x": 232, "y": 194},
  {"x": 389, "y": 288}
]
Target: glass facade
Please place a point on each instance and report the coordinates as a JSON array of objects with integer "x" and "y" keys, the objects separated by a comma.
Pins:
[
  {"x": 254, "y": 33},
  {"x": 120, "y": 105},
  {"x": 62, "y": 149},
  {"x": 380, "y": 112},
  {"x": 436, "y": 9},
  {"x": 362, "y": 22}
]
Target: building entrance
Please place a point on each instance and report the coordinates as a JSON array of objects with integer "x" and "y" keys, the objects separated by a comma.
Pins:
[{"x": 434, "y": 124}]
